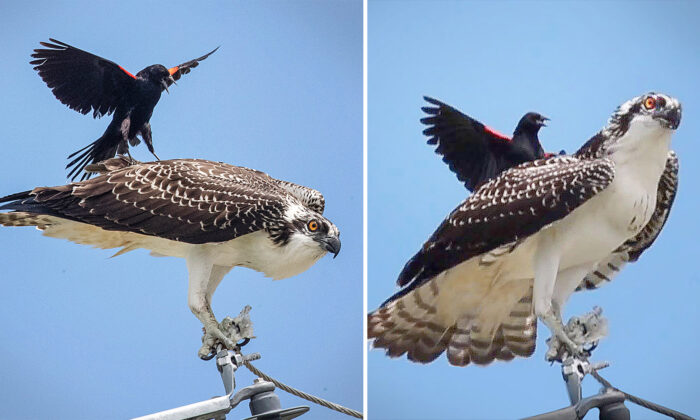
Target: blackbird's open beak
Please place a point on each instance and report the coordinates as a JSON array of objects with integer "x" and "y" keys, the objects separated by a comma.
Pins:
[{"x": 166, "y": 84}]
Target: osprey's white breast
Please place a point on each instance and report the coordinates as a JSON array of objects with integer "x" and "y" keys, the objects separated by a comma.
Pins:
[
  {"x": 258, "y": 252},
  {"x": 599, "y": 226},
  {"x": 596, "y": 228},
  {"x": 255, "y": 250}
]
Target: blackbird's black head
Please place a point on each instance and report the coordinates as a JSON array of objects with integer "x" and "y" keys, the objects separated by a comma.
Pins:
[
  {"x": 525, "y": 135},
  {"x": 531, "y": 122},
  {"x": 158, "y": 75}
]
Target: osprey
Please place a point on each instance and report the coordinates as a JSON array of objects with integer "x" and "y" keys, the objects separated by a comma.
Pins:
[
  {"x": 215, "y": 216},
  {"x": 86, "y": 82},
  {"x": 475, "y": 152},
  {"x": 516, "y": 249}
]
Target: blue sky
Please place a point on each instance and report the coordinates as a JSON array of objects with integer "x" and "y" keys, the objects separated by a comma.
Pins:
[
  {"x": 573, "y": 62},
  {"x": 85, "y": 336}
]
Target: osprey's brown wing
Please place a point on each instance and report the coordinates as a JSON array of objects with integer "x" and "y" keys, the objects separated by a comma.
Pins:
[
  {"x": 194, "y": 201},
  {"x": 511, "y": 207}
]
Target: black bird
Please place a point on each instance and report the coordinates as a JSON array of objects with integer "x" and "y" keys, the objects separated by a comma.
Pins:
[
  {"x": 86, "y": 82},
  {"x": 475, "y": 152}
]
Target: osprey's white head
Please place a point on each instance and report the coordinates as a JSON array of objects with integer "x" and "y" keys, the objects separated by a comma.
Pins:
[
  {"x": 307, "y": 228},
  {"x": 650, "y": 110},
  {"x": 639, "y": 133},
  {"x": 643, "y": 122},
  {"x": 300, "y": 238}
]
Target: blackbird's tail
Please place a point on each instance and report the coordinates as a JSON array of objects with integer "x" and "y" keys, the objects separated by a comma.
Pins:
[{"x": 101, "y": 149}]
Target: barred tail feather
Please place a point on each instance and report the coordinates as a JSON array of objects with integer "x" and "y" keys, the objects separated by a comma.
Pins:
[
  {"x": 605, "y": 271},
  {"x": 24, "y": 219},
  {"x": 490, "y": 336},
  {"x": 408, "y": 325},
  {"x": 520, "y": 328},
  {"x": 80, "y": 233},
  {"x": 487, "y": 330}
]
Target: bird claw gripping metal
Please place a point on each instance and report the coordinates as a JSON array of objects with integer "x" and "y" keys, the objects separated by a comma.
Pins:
[
  {"x": 239, "y": 330},
  {"x": 264, "y": 403},
  {"x": 586, "y": 331}
]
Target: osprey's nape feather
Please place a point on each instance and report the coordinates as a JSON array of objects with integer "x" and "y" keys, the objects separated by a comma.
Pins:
[
  {"x": 88, "y": 83},
  {"x": 216, "y": 216},
  {"x": 518, "y": 247},
  {"x": 475, "y": 152}
]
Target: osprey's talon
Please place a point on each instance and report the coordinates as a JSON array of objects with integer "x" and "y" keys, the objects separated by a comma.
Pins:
[
  {"x": 571, "y": 348},
  {"x": 578, "y": 338},
  {"x": 217, "y": 335},
  {"x": 576, "y": 350},
  {"x": 206, "y": 352},
  {"x": 562, "y": 346},
  {"x": 212, "y": 336}
]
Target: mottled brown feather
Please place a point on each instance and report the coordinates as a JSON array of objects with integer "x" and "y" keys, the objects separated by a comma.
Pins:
[{"x": 189, "y": 200}]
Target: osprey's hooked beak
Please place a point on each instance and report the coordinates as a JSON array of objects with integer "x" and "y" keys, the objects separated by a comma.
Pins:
[
  {"x": 671, "y": 117},
  {"x": 332, "y": 245}
]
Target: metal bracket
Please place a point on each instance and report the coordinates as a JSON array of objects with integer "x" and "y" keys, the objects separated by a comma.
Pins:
[
  {"x": 586, "y": 331},
  {"x": 573, "y": 371},
  {"x": 264, "y": 403}
]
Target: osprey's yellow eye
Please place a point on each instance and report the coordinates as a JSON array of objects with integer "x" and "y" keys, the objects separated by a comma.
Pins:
[
  {"x": 312, "y": 225},
  {"x": 650, "y": 102}
]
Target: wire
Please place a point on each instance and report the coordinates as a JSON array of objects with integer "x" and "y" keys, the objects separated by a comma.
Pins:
[
  {"x": 642, "y": 402},
  {"x": 304, "y": 395}
]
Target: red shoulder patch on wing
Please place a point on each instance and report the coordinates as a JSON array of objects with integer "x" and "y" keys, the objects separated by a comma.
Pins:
[
  {"x": 496, "y": 133},
  {"x": 173, "y": 70},
  {"x": 125, "y": 71}
]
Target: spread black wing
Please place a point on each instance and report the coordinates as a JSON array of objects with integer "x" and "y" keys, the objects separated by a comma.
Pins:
[
  {"x": 184, "y": 68},
  {"x": 473, "y": 151},
  {"x": 506, "y": 210},
  {"x": 83, "y": 81}
]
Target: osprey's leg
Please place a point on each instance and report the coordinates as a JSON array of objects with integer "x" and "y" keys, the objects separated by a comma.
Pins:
[
  {"x": 210, "y": 340},
  {"x": 567, "y": 281},
  {"x": 217, "y": 274},
  {"x": 203, "y": 273},
  {"x": 546, "y": 264}
]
